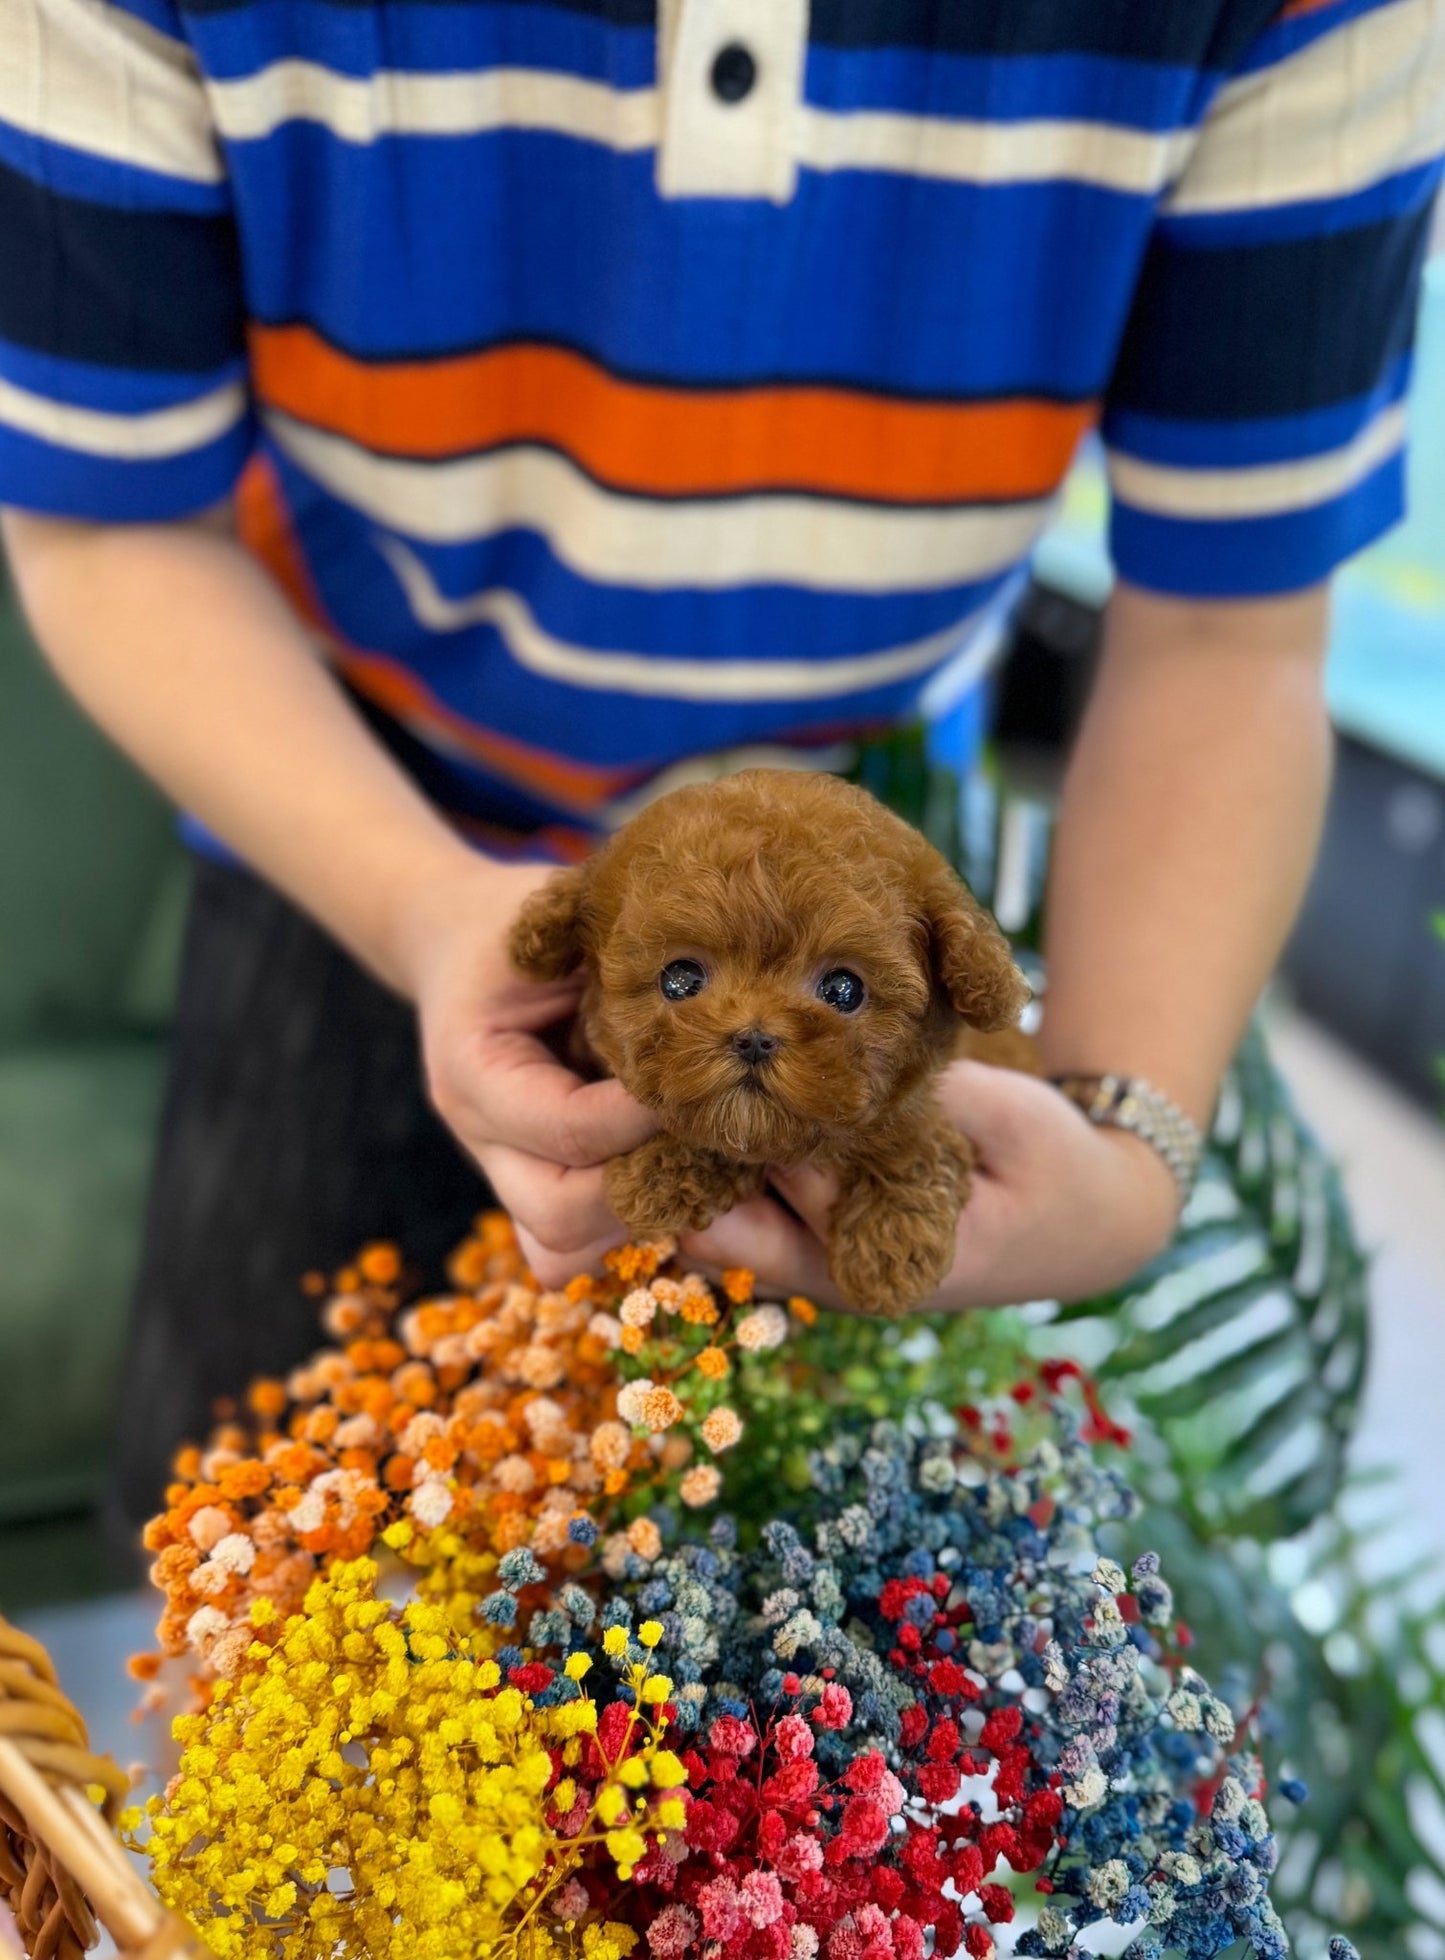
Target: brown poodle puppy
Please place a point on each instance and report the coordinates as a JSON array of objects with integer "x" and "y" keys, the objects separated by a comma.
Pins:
[{"x": 779, "y": 967}]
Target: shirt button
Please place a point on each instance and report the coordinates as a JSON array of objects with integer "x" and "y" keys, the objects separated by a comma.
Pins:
[{"x": 733, "y": 72}]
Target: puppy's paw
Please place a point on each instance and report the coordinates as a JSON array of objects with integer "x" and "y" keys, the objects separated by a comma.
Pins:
[
  {"x": 893, "y": 1231},
  {"x": 880, "y": 1268},
  {"x": 665, "y": 1186}
]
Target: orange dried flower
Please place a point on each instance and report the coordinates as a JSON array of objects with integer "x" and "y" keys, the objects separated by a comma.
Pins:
[
  {"x": 633, "y": 1264},
  {"x": 267, "y": 1399},
  {"x": 699, "y": 1310},
  {"x": 380, "y": 1264},
  {"x": 804, "y": 1310},
  {"x": 415, "y": 1383},
  {"x": 238, "y": 1481},
  {"x": 738, "y": 1284},
  {"x": 713, "y": 1364}
]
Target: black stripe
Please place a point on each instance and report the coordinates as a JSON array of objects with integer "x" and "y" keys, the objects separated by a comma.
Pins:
[
  {"x": 1206, "y": 33},
  {"x": 156, "y": 290},
  {"x": 1270, "y": 329},
  {"x": 617, "y": 13},
  {"x": 1193, "y": 33},
  {"x": 683, "y": 384}
]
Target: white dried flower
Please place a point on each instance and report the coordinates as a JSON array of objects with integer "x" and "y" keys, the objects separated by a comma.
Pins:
[
  {"x": 765, "y": 1327},
  {"x": 236, "y": 1553},
  {"x": 430, "y": 1503},
  {"x": 632, "y": 1398}
]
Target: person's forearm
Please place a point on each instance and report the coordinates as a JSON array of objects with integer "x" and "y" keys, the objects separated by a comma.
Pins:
[
  {"x": 187, "y": 655},
  {"x": 1190, "y": 819}
]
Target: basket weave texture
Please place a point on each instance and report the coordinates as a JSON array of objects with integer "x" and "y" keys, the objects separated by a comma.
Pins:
[{"x": 63, "y": 1872}]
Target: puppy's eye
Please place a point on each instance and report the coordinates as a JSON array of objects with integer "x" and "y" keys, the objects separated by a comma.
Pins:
[
  {"x": 841, "y": 989},
  {"x": 681, "y": 979}
]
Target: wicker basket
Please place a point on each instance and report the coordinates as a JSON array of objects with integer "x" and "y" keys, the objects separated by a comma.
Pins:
[{"x": 63, "y": 1873}]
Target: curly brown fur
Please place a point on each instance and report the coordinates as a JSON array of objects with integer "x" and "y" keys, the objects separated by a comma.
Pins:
[{"x": 768, "y": 880}]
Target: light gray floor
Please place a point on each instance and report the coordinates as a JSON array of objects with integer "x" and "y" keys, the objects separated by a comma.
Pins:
[{"x": 1393, "y": 1156}]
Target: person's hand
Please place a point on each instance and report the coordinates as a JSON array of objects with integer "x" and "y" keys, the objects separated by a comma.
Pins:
[
  {"x": 1059, "y": 1209},
  {"x": 539, "y": 1132}
]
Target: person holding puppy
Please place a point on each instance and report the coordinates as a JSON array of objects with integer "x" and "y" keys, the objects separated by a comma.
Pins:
[{"x": 427, "y": 430}]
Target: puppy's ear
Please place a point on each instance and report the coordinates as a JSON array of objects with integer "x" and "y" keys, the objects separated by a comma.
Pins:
[
  {"x": 971, "y": 960},
  {"x": 546, "y": 940}
]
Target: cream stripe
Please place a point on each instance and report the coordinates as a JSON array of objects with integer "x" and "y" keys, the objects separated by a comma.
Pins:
[
  {"x": 1264, "y": 489},
  {"x": 399, "y": 103},
  {"x": 394, "y": 103},
  {"x": 980, "y": 152},
  {"x": 1353, "y": 107},
  {"x": 158, "y": 433},
  {"x": 100, "y": 81},
  {"x": 657, "y": 677},
  {"x": 805, "y": 541}
]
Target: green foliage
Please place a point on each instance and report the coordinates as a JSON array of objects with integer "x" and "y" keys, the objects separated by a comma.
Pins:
[
  {"x": 1240, "y": 1356},
  {"x": 916, "y": 1370},
  {"x": 1244, "y": 1346}
]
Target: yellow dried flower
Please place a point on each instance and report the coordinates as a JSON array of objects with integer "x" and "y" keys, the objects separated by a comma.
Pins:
[{"x": 378, "y": 1742}]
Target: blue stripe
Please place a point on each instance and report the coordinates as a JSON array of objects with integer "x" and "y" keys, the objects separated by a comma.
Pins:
[
  {"x": 1287, "y": 37},
  {"x": 119, "y": 391},
  {"x": 1402, "y": 195},
  {"x": 101, "y": 180},
  {"x": 359, "y": 41},
  {"x": 395, "y": 249},
  {"x": 1249, "y": 557},
  {"x": 1008, "y": 88},
  {"x": 736, "y": 623},
  {"x": 1262, "y": 439},
  {"x": 36, "y": 475},
  {"x": 625, "y": 730},
  {"x": 159, "y": 14}
]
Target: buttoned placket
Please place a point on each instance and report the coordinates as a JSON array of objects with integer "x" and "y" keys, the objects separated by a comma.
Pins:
[{"x": 731, "y": 76}]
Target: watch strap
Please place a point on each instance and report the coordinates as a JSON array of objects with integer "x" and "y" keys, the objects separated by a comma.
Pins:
[{"x": 1128, "y": 1102}]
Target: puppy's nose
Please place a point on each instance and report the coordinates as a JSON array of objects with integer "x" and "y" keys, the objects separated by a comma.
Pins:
[{"x": 752, "y": 1045}]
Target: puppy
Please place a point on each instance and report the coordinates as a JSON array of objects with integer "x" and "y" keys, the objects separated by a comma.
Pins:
[{"x": 779, "y": 967}]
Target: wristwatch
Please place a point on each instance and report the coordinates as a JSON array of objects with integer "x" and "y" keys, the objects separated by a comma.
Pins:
[{"x": 1128, "y": 1102}]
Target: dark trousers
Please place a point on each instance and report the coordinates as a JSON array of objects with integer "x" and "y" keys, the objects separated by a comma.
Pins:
[{"x": 295, "y": 1128}]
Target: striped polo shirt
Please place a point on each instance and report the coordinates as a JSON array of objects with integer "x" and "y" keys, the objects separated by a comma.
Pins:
[{"x": 613, "y": 382}]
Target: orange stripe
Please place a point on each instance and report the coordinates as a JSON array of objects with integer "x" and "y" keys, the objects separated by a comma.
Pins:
[
  {"x": 674, "y": 442},
  {"x": 265, "y": 528},
  {"x": 1294, "y": 8},
  {"x": 263, "y": 524}
]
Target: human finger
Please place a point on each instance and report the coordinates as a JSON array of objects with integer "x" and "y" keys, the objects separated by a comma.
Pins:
[
  {"x": 811, "y": 1191},
  {"x": 564, "y": 1210},
  {"x": 556, "y": 1268},
  {"x": 515, "y": 1092},
  {"x": 785, "y": 1257}
]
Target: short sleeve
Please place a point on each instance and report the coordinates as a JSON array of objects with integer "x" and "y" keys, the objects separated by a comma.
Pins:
[
  {"x": 1255, "y": 422},
  {"x": 122, "y": 389}
]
